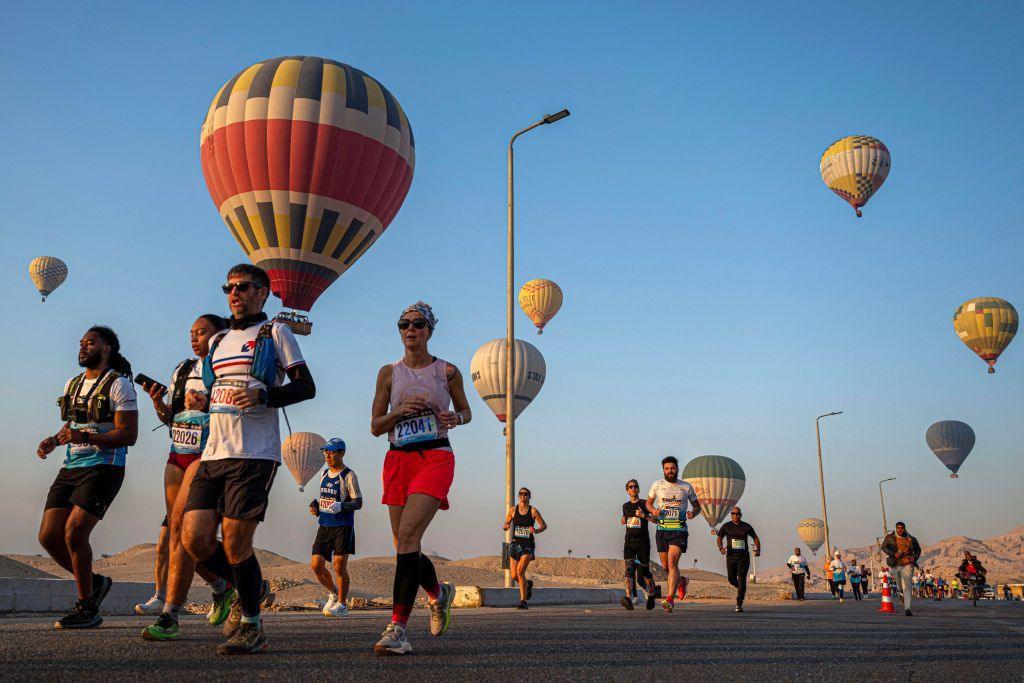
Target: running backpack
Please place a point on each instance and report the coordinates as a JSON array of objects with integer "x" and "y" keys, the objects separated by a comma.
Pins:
[
  {"x": 100, "y": 407},
  {"x": 264, "y": 358},
  {"x": 180, "y": 380}
]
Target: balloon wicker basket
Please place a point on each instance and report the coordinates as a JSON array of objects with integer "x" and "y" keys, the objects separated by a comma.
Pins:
[{"x": 299, "y": 323}]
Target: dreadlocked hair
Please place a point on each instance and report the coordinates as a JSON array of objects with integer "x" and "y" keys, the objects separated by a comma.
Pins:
[{"x": 115, "y": 360}]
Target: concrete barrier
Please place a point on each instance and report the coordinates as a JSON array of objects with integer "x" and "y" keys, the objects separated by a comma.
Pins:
[
  {"x": 59, "y": 595},
  {"x": 476, "y": 596}
]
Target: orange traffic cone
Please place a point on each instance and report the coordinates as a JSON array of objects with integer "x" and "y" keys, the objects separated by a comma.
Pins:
[{"x": 886, "y": 595}]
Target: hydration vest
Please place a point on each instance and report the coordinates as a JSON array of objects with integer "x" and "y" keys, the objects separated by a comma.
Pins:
[
  {"x": 264, "y": 357},
  {"x": 99, "y": 407},
  {"x": 180, "y": 380}
]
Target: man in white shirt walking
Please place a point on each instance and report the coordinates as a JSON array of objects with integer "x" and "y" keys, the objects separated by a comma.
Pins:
[{"x": 798, "y": 568}]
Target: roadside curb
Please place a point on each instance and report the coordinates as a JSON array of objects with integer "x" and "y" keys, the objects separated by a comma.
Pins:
[
  {"x": 477, "y": 596},
  {"x": 19, "y": 595}
]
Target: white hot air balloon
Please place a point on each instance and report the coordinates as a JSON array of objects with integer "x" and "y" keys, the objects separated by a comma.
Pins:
[
  {"x": 301, "y": 453},
  {"x": 812, "y": 532},
  {"x": 47, "y": 273},
  {"x": 488, "y": 373}
]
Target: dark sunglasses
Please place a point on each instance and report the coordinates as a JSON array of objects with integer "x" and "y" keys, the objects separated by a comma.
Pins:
[
  {"x": 524, "y": 493},
  {"x": 419, "y": 324},
  {"x": 632, "y": 486},
  {"x": 735, "y": 514},
  {"x": 242, "y": 286}
]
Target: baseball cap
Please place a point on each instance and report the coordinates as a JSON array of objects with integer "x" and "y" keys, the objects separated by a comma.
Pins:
[{"x": 334, "y": 444}]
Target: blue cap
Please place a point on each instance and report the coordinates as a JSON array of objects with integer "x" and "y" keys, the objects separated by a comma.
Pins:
[{"x": 334, "y": 444}]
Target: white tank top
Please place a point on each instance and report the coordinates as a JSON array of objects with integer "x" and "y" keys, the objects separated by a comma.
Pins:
[{"x": 430, "y": 383}]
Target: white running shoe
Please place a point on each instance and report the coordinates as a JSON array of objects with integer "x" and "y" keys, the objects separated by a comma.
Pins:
[
  {"x": 338, "y": 609},
  {"x": 393, "y": 641},
  {"x": 636, "y": 600},
  {"x": 154, "y": 605},
  {"x": 331, "y": 600}
]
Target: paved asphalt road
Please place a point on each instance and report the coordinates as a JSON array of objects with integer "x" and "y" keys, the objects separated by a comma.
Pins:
[{"x": 946, "y": 641}]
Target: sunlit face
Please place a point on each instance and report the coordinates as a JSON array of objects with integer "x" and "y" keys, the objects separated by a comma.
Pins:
[
  {"x": 200, "y": 336},
  {"x": 416, "y": 333},
  {"x": 248, "y": 302},
  {"x": 92, "y": 350},
  {"x": 334, "y": 458},
  {"x": 671, "y": 471}
]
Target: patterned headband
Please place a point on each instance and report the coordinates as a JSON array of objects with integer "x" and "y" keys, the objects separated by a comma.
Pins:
[{"x": 423, "y": 309}]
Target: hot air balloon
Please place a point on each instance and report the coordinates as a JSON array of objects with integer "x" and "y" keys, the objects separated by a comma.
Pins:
[
  {"x": 811, "y": 532},
  {"x": 719, "y": 482},
  {"x": 301, "y": 453},
  {"x": 540, "y": 299},
  {"x": 488, "y": 373},
  {"x": 986, "y": 325},
  {"x": 307, "y": 160},
  {"x": 951, "y": 441},
  {"x": 855, "y": 167},
  {"x": 47, "y": 273}
]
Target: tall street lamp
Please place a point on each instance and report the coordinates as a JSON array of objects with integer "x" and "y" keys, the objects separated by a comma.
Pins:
[
  {"x": 885, "y": 524},
  {"x": 510, "y": 417},
  {"x": 821, "y": 479}
]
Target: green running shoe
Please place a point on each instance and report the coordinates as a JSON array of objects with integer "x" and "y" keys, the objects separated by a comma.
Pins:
[
  {"x": 165, "y": 628},
  {"x": 221, "y": 606}
]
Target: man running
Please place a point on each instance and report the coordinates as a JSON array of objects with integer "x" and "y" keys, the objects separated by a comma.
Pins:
[
  {"x": 902, "y": 552},
  {"x": 800, "y": 570},
  {"x": 737, "y": 552},
  {"x": 101, "y": 420},
  {"x": 336, "y": 535},
  {"x": 636, "y": 553},
  {"x": 244, "y": 373},
  {"x": 668, "y": 500},
  {"x": 413, "y": 404}
]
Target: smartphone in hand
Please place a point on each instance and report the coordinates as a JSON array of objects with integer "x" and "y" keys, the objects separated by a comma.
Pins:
[{"x": 143, "y": 380}]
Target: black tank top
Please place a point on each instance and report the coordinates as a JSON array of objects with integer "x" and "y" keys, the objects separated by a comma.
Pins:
[{"x": 522, "y": 526}]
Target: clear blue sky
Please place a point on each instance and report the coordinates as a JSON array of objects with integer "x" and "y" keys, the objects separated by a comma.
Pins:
[{"x": 718, "y": 296}]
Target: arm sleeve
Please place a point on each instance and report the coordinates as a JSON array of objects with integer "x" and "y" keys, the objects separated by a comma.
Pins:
[
  {"x": 122, "y": 395},
  {"x": 300, "y": 388}
]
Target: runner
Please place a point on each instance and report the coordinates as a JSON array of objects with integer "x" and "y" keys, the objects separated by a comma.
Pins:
[
  {"x": 101, "y": 420},
  {"x": 855, "y": 580},
  {"x": 798, "y": 568},
  {"x": 668, "y": 500},
  {"x": 737, "y": 553},
  {"x": 829, "y": 578},
  {"x": 244, "y": 372},
  {"x": 838, "y": 568},
  {"x": 636, "y": 553},
  {"x": 526, "y": 522},
  {"x": 185, "y": 413},
  {"x": 335, "y": 511},
  {"x": 419, "y": 466}
]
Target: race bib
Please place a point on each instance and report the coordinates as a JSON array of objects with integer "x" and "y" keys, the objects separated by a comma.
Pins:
[
  {"x": 326, "y": 503},
  {"x": 419, "y": 427},
  {"x": 187, "y": 438},
  {"x": 737, "y": 544},
  {"x": 670, "y": 514},
  {"x": 82, "y": 449},
  {"x": 633, "y": 522},
  {"x": 221, "y": 395},
  {"x": 523, "y": 533}
]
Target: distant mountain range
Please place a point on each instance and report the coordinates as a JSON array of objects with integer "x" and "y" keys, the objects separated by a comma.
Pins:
[{"x": 1002, "y": 556}]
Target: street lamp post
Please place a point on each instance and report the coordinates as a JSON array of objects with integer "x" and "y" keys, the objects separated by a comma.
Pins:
[
  {"x": 821, "y": 480},
  {"x": 885, "y": 524},
  {"x": 510, "y": 418}
]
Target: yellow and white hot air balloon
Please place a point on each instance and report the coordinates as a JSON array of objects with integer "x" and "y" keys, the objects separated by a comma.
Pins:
[
  {"x": 540, "y": 300},
  {"x": 487, "y": 370},
  {"x": 812, "y": 532},
  {"x": 986, "y": 325},
  {"x": 301, "y": 453},
  {"x": 855, "y": 167},
  {"x": 47, "y": 273}
]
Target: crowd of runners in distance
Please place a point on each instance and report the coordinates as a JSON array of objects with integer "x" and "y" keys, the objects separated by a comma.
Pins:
[{"x": 221, "y": 407}]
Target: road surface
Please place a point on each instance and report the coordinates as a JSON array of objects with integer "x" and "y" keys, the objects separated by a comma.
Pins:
[{"x": 946, "y": 641}]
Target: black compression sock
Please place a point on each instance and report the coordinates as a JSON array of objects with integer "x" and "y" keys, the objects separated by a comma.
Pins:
[
  {"x": 407, "y": 578},
  {"x": 248, "y": 582},
  {"x": 428, "y": 576},
  {"x": 218, "y": 564}
]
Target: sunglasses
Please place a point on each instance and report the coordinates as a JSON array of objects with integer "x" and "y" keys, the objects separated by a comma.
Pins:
[
  {"x": 419, "y": 324},
  {"x": 524, "y": 494},
  {"x": 734, "y": 514},
  {"x": 242, "y": 286},
  {"x": 632, "y": 486}
]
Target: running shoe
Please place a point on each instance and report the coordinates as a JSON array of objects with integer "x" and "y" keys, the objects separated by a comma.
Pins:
[
  {"x": 338, "y": 609},
  {"x": 681, "y": 588},
  {"x": 840, "y": 601},
  {"x": 393, "y": 641},
  {"x": 84, "y": 615},
  {"x": 908, "y": 613},
  {"x": 331, "y": 599},
  {"x": 522, "y": 605},
  {"x": 667, "y": 605},
  {"x": 221, "y": 607},
  {"x": 234, "y": 619},
  {"x": 155, "y": 605},
  {"x": 635, "y": 601},
  {"x": 739, "y": 608},
  {"x": 441, "y": 611},
  {"x": 100, "y": 587},
  {"x": 529, "y": 589},
  {"x": 165, "y": 628},
  {"x": 246, "y": 640},
  {"x": 650, "y": 599},
  {"x": 626, "y": 602}
]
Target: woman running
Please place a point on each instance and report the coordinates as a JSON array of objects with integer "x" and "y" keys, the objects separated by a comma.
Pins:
[
  {"x": 525, "y": 522},
  {"x": 412, "y": 405},
  {"x": 185, "y": 411}
]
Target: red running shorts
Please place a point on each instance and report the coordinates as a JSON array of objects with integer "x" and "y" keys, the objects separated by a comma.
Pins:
[{"x": 407, "y": 472}]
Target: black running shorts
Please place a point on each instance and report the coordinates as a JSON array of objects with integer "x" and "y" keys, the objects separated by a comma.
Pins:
[
  {"x": 91, "y": 488},
  {"x": 663, "y": 538},
  {"x": 237, "y": 488},
  {"x": 637, "y": 550},
  {"x": 334, "y": 540}
]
